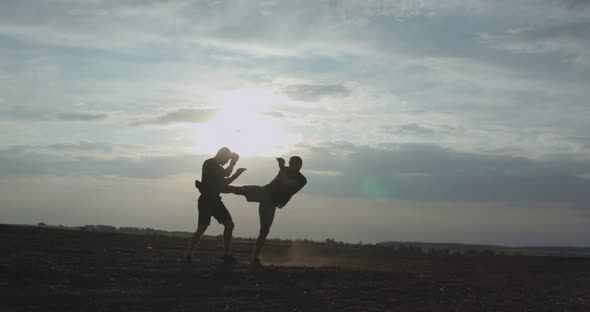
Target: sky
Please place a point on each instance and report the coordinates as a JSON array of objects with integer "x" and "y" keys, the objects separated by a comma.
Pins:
[{"x": 461, "y": 121}]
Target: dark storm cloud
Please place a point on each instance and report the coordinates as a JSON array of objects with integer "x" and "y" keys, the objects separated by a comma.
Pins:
[
  {"x": 181, "y": 115},
  {"x": 315, "y": 92},
  {"x": 81, "y": 116}
]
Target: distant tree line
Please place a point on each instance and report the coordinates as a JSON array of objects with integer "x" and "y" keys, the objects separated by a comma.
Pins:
[{"x": 401, "y": 249}]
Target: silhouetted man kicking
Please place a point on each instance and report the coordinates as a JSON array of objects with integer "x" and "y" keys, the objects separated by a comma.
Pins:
[
  {"x": 215, "y": 179},
  {"x": 277, "y": 193}
]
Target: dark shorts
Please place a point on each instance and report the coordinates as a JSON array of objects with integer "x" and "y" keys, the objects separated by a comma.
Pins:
[
  {"x": 266, "y": 208},
  {"x": 212, "y": 207}
]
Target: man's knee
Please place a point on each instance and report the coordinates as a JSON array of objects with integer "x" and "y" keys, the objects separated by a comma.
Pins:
[
  {"x": 264, "y": 230},
  {"x": 201, "y": 228},
  {"x": 240, "y": 190},
  {"x": 228, "y": 224}
]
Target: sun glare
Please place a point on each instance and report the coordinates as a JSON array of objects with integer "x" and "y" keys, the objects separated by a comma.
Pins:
[{"x": 243, "y": 126}]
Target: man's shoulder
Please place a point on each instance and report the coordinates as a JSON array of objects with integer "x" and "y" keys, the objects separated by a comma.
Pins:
[
  {"x": 210, "y": 162},
  {"x": 210, "y": 166}
]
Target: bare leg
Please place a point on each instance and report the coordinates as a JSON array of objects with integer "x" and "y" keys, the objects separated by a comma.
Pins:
[
  {"x": 227, "y": 235},
  {"x": 238, "y": 190},
  {"x": 201, "y": 228},
  {"x": 264, "y": 230}
]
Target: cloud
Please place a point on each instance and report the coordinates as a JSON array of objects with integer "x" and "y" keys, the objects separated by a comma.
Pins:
[
  {"x": 82, "y": 116},
  {"x": 584, "y": 141},
  {"x": 275, "y": 114},
  {"x": 30, "y": 163},
  {"x": 25, "y": 113},
  {"x": 409, "y": 130},
  {"x": 430, "y": 62},
  {"x": 574, "y": 4},
  {"x": 568, "y": 39},
  {"x": 408, "y": 171},
  {"x": 315, "y": 92},
  {"x": 82, "y": 146},
  {"x": 323, "y": 172},
  {"x": 414, "y": 171},
  {"x": 180, "y": 116}
]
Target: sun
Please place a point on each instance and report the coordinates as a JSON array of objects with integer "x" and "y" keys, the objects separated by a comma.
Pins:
[{"x": 243, "y": 125}]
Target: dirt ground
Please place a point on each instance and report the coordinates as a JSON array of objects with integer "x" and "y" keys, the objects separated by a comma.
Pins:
[{"x": 45, "y": 269}]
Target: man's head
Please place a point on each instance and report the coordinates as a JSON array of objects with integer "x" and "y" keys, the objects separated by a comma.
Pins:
[
  {"x": 223, "y": 155},
  {"x": 295, "y": 163}
]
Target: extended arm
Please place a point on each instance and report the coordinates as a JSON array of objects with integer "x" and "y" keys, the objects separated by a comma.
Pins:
[{"x": 228, "y": 181}]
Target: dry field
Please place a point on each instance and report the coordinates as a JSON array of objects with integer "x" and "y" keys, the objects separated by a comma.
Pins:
[{"x": 44, "y": 269}]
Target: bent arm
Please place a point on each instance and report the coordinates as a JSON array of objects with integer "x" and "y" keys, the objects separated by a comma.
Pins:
[
  {"x": 228, "y": 181},
  {"x": 281, "y": 163},
  {"x": 227, "y": 171},
  {"x": 295, "y": 184}
]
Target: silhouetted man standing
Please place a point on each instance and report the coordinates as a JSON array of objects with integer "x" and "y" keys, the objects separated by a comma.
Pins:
[
  {"x": 215, "y": 179},
  {"x": 274, "y": 195}
]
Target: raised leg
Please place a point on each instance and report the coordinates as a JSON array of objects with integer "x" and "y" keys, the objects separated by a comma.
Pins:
[{"x": 232, "y": 189}]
